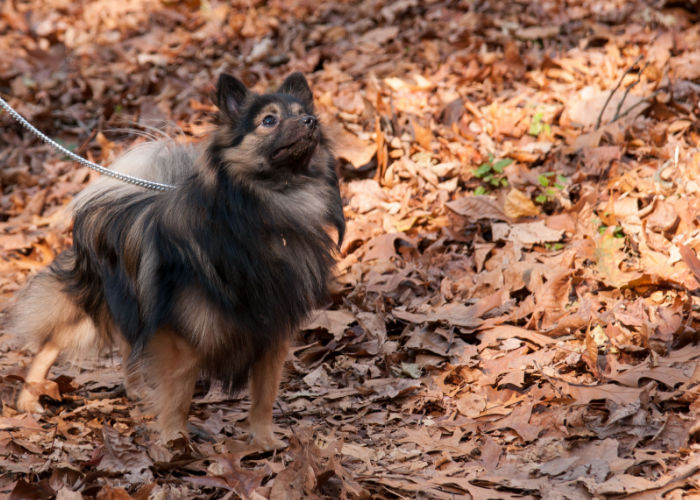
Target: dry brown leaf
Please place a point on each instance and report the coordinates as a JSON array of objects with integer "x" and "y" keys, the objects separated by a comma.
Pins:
[
  {"x": 492, "y": 335},
  {"x": 597, "y": 159},
  {"x": 423, "y": 135},
  {"x": 628, "y": 485},
  {"x": 518, "y": 204},
  {"x": 478, "y": 207},
  {"x": 451, "y": 314},
  {"x": 109, "y": 493},
  {"x": 380, "y": 36},
  {"x": 121, "y": 456},
  {"x": 582, "y": 110},
  {"x": 334, "y": 321},
  {"x": 691, "y": 260},
  {"x": 686, "y": 65},
  {"x": 608, "y": 254},
  {"x": 351, "y": 148},
  {"x": 66, "y": 493},
  {"x": 527, "y": 233},
  {"x": 583, "y": 394},
  {"x": 537, "y": 32},
  {"x": 383, "y": 247}
]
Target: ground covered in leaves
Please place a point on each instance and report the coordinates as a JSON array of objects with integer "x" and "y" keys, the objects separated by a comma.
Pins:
[{"x": 517, "y": 302}]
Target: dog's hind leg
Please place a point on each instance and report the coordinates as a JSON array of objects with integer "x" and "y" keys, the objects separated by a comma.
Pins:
[
  {"x": 264, "y": 384},
  {"x": 172, "y": 366},
  {"x": 48, "y": 317},
  {"x": 69, "y": 334},
  {"x": 28, "y": 399}
]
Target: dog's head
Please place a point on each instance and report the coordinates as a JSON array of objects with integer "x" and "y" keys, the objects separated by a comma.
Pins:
[
  {"x": 274, "y": 143},
  {"x": 266, "y": 135}
]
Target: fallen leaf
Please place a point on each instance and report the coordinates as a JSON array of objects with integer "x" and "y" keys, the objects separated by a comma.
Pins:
[
  {"x": 619, "y": 394},
  {"x": 527, "y": 233},
  {"x": 518, "y": 204},
  {"x": 335, "y": 322},
  {"x": 477, "y": 207}
]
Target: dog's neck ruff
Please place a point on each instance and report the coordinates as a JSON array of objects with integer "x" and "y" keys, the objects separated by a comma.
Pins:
[{"x": 156, "y": 186}]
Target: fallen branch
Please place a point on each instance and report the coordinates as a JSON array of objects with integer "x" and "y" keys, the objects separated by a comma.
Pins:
[
  {"x": 612, "y": 92},
  {"x": 627, "y": 91}
]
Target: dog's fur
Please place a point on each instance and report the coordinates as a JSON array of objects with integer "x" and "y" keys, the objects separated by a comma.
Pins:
[{"x": 213, "y": 276}]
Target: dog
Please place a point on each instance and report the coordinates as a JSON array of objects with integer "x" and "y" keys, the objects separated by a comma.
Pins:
[{"x": 212, "y": 277}]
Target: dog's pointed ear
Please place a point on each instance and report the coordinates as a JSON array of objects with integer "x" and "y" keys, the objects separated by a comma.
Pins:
[
  {"x": 230, "y": 95},
  {"x": 297, "y": 86}
]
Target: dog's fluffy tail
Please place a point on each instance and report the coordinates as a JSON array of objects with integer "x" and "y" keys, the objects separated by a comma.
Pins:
[{"x": 44, "y": 312}]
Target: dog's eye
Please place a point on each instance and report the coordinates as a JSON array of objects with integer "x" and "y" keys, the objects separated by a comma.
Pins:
[{"x": 269, "y": 121}]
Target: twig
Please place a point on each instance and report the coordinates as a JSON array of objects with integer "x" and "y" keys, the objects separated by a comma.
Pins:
[
  {"x": 607, "y": 101},
  {"x": 641, "y": 101},
  {"x": 289, "y": 423},
  {"x": 627, "y": 91},
  {"x": 85, "y": 143}
]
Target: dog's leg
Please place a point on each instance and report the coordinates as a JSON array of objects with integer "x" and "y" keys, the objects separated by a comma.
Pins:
[
  {"x": 264, "y": 384},
  {"x": 47, "y": 316},
  {"x": 173, "y": 365},
  {"x": 28, "y": 400},
  {"x": 73, "y": 332},
  {"x": 133, "y": 380}
]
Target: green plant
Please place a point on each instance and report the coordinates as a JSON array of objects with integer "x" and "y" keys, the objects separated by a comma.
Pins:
[
  {"x": 491, "y": 174},
  {"x": 537, "y": 126},
  {"x": 553, "y": 246},
  {"x": 617, "y": 230},
  {"x": 550, "y": 183}
]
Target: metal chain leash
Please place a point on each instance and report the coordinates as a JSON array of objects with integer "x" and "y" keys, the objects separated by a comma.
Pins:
[{"x": 157, "y": 186}]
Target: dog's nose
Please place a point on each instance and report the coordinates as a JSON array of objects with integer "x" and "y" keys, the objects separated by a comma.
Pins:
[{"x": 309, "y": 121}]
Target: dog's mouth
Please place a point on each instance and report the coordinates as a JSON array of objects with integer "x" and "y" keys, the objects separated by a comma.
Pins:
[
  {"x": 296, "y": 150},
  {"x": 282, "y": 151}
]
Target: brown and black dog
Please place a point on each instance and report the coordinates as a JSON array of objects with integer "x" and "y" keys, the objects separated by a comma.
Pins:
[{"x": 212, "y": 277}]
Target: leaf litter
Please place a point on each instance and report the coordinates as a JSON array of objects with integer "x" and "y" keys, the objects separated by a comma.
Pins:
[{"x": 516, "y": 306}]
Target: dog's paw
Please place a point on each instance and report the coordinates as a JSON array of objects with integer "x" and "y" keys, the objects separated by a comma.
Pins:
[
  {"x": 28, "y": 402},
  {"x": 263, "y": 439},
  {"x": 172, "y": 435}
]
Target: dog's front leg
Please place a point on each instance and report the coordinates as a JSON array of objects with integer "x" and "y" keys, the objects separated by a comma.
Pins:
[
  {"x": 264, "y": 384},
  {"x": 172, "y": 369}
]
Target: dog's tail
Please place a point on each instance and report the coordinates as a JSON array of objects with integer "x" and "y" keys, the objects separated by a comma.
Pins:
[{"x": 44, "y": 312}]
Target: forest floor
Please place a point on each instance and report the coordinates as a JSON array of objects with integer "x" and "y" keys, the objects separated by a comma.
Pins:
[{"x": 518, "y": 296}]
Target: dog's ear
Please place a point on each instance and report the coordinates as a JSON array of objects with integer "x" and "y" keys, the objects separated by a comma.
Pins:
[
  {"x": 230, "y": 95},
  {"x": 297, "y": 86}
]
